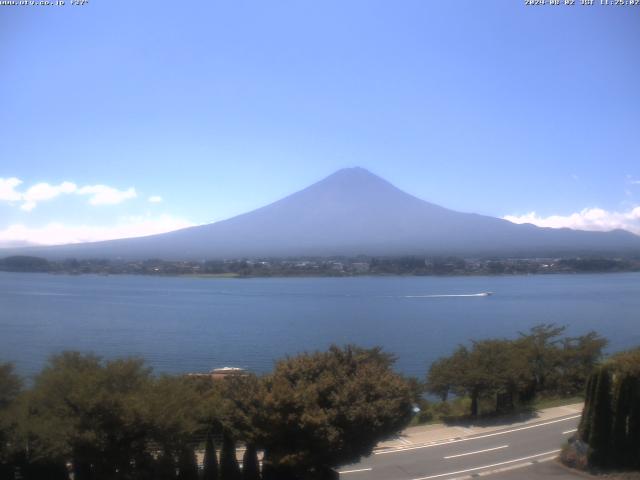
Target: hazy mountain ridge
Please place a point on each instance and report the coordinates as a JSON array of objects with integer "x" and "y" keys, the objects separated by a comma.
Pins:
[{"x": 351, "y": 212}]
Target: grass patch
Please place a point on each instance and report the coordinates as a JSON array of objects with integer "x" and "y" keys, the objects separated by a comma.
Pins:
[
  {"x": 551, "y": 402},
  {"x": 457, "y": 409}
]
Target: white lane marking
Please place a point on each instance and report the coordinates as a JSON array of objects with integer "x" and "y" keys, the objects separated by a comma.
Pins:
[
  {"x": 477, "y": 451},
  {"x": 448, "y": 442},
  {"x": 355, "y": 471},
  {"x": 570, "y": 431},
  {"x": 487, "y": 466}
]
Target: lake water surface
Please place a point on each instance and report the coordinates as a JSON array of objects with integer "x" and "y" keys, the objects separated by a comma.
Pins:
[{"x": 194, "y": 324}]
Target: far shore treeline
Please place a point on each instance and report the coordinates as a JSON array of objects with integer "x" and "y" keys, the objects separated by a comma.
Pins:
[
  {"x": 114, "y": 419},
  {"x": 325, "y": 266}
]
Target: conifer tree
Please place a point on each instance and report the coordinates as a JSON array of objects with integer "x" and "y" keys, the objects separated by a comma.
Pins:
[
  {"x": 587, "y": 412},
  {"x": 165, "y": 467},
  {"x": 632, "y": 449},
  {"x": 187, "y": 464},
  {"x": 621, "y": 407},
  {"x": 229, "y": 468},
  {"x": 600, "y": 430},
  {"x": 210, "y": 463},
  {"x": 250, "y": 466}
]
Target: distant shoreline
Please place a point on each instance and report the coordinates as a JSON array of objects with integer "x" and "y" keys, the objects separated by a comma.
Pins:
[
  {"x": 226, "y": 276},
  {"x": 415, "y": 266}
]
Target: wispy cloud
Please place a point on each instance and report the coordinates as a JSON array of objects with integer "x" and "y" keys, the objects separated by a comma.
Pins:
[
  {"x": 43, "y": 192},
  {"x": 155, "y": 199},
  {"x": 596, "y": 219},
  {"x": 103, "y": 195},
  {"x": 8, "y": 192},
  {"x": 632, "y": 181},
  {"x": 58, "y": 233}
]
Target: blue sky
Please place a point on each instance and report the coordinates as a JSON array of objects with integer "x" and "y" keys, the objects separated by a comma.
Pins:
[{"x": 215, "y": 108}]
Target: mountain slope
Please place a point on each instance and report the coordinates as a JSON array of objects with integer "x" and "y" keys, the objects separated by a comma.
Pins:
[{"x": 352, "y": 212}]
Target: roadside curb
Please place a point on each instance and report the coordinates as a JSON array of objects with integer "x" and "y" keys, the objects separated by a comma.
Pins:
[
  {"x": 424, "y": 444},
  {"x": 381, "y": 450},
  {"x": 505, "y": 469},
  {"x": 575, "y": 471}
]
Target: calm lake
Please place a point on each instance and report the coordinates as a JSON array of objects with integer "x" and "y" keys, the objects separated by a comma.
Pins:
[{"x": 195, "y": 324}]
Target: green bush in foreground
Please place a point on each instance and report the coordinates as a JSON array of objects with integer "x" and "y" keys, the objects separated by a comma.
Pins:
[{"x": 610, "y": 423}]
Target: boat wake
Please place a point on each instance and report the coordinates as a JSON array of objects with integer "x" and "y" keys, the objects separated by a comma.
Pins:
[{"x": 481, "y": 294}]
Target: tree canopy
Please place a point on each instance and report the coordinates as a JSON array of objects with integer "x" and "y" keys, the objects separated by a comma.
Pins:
[
  {"x": 330, "y": 408},
  {"x": 509, "y": 371}
]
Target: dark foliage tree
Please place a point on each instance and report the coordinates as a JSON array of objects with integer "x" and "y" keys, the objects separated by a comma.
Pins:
[
  {"x": 24, "y": 263},
  {"x": 165, "y": 467},
  {"x": 250, "y": 465},
  {"x": 144, "y": 466},
  {"x": 44, "y": 470},
  {"x": 584, "y": 428},
  {"x": 210, "y": 462},
  {"x": 229, "y": 468},
  {"x": 610, "y": 421},
  {"x": 622, "y": 404},
  {"x": 599, "y": 434},
  {"x": 632, "y": 448},
  {"x": 10, "y": 388},
  {"x": 187, "y": 464}
]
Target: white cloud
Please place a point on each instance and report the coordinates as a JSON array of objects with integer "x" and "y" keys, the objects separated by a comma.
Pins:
[
  {"x": 57, "y": 233},
  {"x": 103, "y": 195},
  {"x": 155, "y": 199},
  {"x": 8, "y": 191},
  {"x": 596, "y": 219},
  {"x": 41, "y": 192}
]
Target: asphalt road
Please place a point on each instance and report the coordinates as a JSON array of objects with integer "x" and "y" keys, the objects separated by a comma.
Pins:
[{"x": 469, "y": 456}]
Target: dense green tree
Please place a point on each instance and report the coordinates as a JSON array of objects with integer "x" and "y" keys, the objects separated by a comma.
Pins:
[
  {"x": 540, "y": 347},
  {"x": 210, "y": 462},
  {"x": 90, "y": 411},
  {"x": 329, "y": 408},
  {"x": 514, "y": 371},
  {"x": 578, "y": 357},
  {"x": 174, "y": 411},
  {"x": 238, "y": 403},
  {"x": 445, "y": 373},
  {"x": 491, "y": 369}
]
